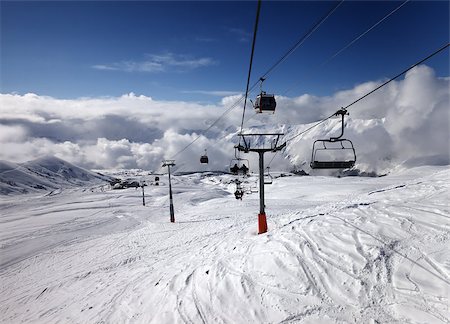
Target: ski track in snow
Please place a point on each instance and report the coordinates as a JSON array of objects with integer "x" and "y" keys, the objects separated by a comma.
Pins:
[{"x": 348, "y": 250}]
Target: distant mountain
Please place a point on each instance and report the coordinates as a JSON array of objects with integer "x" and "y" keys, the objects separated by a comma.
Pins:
[{"x": 46, "y": 173}]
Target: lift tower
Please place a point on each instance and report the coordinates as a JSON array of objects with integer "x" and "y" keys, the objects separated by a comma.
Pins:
[
  {"x": 274, "y": 147},
  {"x": 168, "y": 164}
]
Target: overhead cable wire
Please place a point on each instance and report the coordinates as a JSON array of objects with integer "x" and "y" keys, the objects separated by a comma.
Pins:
[
  {"x": 210, "y": 126},
  {"x": 184, "y": 167},
  {"x": 367, "y": 31},
  {"x": 398, "y": 75},
  {"x": 255, "y": 30},
  {"x": 297, "y": 44},
  {"x": 295, "y": 47},
  {"x": 302, "y": 39},
  {"x": 343, "y": 49},
  {"x": 353, "y": 41},
  {"x": 270, "y": 70},
  {"x": 372, "y": 91},
  {"x": 270, "y": 162},
  {"x": 309, "y": 128}
]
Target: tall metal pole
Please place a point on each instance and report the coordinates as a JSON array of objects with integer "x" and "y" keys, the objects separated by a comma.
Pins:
[
  {"x": 172, "y": 213},
  {"x": 261, "y": 183},
  {"x": 143, "y": 197},
  {"x": 168, "y": 164},
  {"x": 262, "y": 220}
]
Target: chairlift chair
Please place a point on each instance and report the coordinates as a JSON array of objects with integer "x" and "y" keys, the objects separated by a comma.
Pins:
[
  {"x": 239, "y": 166},
  {"x": 264, "y": 102},
  {"x": 345, "y": 145},
  {"x": 204, "y": 158},
  {"x": 267, "y": 177},
  {"x": 335, "y": 144},
  {"x": 239, "y": 191}
]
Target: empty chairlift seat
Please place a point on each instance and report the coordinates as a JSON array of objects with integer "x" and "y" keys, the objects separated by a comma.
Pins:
[
  {"x": 335, "y": 152},
  {"x": 268, "y": 177},
  {"x": 328, "y": 154}
]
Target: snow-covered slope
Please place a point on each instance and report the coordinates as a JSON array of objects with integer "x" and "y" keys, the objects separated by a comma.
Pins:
[
  {"x": 338, "y": 250},
  {"x": 46, "y": 173}
]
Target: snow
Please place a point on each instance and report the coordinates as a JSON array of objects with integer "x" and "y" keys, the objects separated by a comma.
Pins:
[
  {"x": 44, "y": 173},
  {"x": 338, "y": 250}
]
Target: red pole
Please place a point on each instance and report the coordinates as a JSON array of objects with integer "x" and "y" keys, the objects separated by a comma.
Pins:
[{"x": 262, "y": 223}]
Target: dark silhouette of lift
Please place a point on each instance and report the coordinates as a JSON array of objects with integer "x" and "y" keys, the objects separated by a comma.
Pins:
[
  {"x": 331, "y": 146},
  {"x": 264, "y": 102},
  {"x": 238, "y": 165},
  {"x": 204, "y": 158}
]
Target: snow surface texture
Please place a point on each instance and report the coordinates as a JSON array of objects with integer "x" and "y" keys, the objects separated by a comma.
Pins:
[
  {"x": 46, "y": 173},
  {"x": 408, "y": 118},
  {"x": 338, "y": 250}
]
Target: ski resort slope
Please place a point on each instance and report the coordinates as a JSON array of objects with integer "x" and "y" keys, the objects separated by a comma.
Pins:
[{"x": 338, "y": 250}]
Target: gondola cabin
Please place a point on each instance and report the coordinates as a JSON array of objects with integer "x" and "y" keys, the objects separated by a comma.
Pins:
[
  {"x": 204, "y": 158},
  {"x": 265, "y": 103}
]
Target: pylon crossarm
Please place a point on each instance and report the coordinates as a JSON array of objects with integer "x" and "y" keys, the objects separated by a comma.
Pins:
[
  {"x": 168, "y": 163},
  {"x": 273, "y": 146}
]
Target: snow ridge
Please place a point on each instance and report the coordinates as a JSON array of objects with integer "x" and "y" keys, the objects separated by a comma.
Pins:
[{"x": 45, "y": 173}]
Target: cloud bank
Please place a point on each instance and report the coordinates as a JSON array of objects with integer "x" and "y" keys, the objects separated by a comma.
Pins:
[{"x": 406, "y": 121}]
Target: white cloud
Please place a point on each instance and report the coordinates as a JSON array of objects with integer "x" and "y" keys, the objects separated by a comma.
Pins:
[
  {"x": 12, "y": 134},
  {"x": 106, "y": 67},
  {"x": 158, "y": 63},
  {"x": 406, "y": 120}
]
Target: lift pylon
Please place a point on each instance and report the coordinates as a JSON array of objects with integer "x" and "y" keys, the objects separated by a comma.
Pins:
[
  {"x": 168, "y": 164},
  {"x": 274, "y": 147}
]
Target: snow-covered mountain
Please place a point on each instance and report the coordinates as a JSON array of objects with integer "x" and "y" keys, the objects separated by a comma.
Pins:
[
  {"x": 379, "y": 148},
  {"x": 45, "y": 173}
]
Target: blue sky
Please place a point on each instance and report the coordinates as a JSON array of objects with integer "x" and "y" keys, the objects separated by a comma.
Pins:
[{"x": 198, "y": 51}]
